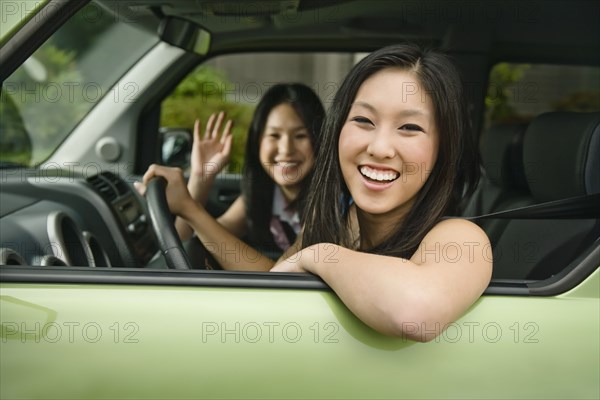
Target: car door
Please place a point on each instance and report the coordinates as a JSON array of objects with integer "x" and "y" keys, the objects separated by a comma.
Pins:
[{"x": 234, "y": 335}]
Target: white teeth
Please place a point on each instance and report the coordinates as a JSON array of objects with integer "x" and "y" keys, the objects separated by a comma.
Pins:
[{"x": 386, "y": 176}]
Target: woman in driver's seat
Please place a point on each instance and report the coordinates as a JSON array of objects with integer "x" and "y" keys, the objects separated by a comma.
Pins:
[{"x": 278, "y": 163}]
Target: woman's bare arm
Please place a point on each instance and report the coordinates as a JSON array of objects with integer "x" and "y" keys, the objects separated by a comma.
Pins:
[
  {"x": 413, "y": 298},
  {"x": 220, "y": 237},
  {"x": 228, "y": 250}
]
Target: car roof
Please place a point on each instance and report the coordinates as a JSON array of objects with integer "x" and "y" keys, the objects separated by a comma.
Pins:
[
  {"x": 558, "y": 31},
  {"x": 507, "y": 30}
]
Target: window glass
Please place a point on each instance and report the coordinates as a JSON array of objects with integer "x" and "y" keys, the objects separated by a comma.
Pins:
[
  {"x": 47, "y": 96},
  {"x": 519, "y": 92}
]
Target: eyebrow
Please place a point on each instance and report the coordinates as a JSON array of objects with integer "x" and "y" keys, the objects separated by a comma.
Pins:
[
  {"x": 293, "y": 128},
  {"x": 405, "y": 112}
]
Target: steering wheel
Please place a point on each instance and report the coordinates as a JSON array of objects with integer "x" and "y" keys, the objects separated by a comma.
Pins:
[{"x": 168, "y": 240}]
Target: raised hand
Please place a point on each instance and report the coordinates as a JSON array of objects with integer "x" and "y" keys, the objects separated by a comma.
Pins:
[{"x": 211, "y": 153}]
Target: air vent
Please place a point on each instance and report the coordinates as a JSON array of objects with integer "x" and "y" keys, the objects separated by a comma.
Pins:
[
  {"x": 104, "y": 187},
  {"x": 10, "y": 257},
  {"x": 120, "y": 185}
]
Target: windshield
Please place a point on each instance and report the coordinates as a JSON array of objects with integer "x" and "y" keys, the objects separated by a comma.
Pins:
[{"x": 47, "y": 96}]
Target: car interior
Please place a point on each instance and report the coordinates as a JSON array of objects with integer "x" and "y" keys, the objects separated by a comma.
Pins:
[
  {"x": 68, "y": 217},
  {"x": 524, "y": 166},
  {"x": 99, "y": 299}
]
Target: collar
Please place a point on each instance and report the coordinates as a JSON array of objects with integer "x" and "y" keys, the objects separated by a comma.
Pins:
[{"x": 280, "y": 209}]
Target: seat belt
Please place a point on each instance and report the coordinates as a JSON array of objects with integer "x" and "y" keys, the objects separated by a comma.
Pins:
[{"x": 587, "y": 206}]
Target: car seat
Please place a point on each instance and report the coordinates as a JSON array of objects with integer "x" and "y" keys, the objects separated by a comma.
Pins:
[
  {"x": 561, "y": 159},
  {"x": 503, "y": 183}
]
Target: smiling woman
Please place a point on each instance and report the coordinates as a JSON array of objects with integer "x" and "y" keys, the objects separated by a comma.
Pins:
[
  {"x": 279, "y": 160},
  {"x": 396, "y": 150}
]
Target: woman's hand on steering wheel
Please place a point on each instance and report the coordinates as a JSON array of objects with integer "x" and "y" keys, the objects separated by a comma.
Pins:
[
  {"x": 166, "y": 193},
  {"x": 178, "y": 198}
]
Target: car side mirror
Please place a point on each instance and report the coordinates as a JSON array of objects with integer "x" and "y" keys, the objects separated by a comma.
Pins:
[{"x": 176, "y": 147}]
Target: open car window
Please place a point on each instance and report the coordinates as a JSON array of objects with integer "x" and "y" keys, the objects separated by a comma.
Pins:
[
  {"x": 235, "y": 84},
  {"x": 518, "y": 92}
]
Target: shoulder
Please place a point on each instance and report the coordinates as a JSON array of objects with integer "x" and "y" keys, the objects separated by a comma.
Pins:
[
  {"x": 458, "y": 229},
  {"x": 238, "y": 207},
  {"x": 455, "y": 240},
  {"x": 238, "y": 203}
]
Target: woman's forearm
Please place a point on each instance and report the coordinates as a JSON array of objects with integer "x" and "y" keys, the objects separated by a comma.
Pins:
[
  {"x": 184, "y": 230},
  {"x": 199, "y": 188},
  {"x": 229, "y": 251},
  {"x": 377, "y": 289},
  {"x": 414, "y": 298}
]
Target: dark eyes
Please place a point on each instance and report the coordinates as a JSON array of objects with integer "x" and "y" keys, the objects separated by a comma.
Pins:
[
  {"x": 405, "y": 127},
  {"x": 362, "y": 120},
  {"x": 411, "y": 127},
  {"x": 277, "y": 135}
]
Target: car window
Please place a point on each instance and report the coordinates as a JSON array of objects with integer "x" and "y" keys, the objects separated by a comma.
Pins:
[
  {"x": 235, "y": 84},
  {"x": 516, "y": 149},
  {"x": 45, "y": 98},
  {"x": 519, "y": 92}
]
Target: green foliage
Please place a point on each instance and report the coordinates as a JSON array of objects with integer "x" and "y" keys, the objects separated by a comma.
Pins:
[
  {"x": 200, "y": 94},
  {"x": 49, "y": 107},
  {"x": 44, "y": 109},
  {"x": 506, "y": 88},
  {"x": 15, "y": 144},
  {"x": 205, "y": 81},
  {"x": 500, "y": 90},
  {"x": 55, "y": 60},
  {"x": 45, "y": 98}
]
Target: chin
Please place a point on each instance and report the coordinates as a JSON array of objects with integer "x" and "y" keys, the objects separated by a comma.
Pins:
[
  {"x": 281, "y": 182},
  {"x": 372, "y": 207},
  {"x": 287, "y": 181}
]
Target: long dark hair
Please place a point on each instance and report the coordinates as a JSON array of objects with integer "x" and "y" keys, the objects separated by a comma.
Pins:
[
  {"x": 454, "y": 175},
  {"x": 257, "y": 186}
]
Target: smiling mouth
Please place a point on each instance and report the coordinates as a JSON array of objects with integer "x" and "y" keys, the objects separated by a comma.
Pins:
[
  {"x": 287, "y": 164},
  {"x": 380, "y": 176}
]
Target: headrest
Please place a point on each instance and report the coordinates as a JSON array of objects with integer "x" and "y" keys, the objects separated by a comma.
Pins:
[
  {"x": 502, "y": 155},
  {"x": 561, "y": 153}
]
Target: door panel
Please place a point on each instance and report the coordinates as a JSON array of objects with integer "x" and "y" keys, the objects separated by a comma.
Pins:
[{"x": 203, "y": 342}]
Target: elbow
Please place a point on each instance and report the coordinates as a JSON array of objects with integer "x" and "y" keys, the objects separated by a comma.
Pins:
[
  {"x": 422, "y": 331},
  {"x": 425, "y": 333},
  {"x": 420, "y": 325}
]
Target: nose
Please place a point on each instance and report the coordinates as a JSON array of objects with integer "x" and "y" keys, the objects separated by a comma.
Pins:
[
  {"x": 286, "y": 145},
  {"x": 380, "y": 145}
]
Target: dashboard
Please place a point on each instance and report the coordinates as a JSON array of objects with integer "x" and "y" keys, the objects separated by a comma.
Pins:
[{"x": 64, "y": 218}]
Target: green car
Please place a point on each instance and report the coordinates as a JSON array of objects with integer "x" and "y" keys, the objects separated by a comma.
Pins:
[{"x": 95, "y": 92}]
